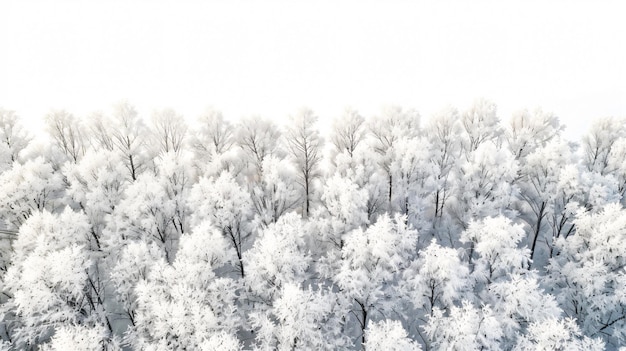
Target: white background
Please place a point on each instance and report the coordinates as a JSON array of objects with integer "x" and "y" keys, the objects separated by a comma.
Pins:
[{"x": 270, "y": 58}]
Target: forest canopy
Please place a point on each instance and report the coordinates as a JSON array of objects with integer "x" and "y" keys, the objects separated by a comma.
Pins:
[{"x": 466, "y": 232}]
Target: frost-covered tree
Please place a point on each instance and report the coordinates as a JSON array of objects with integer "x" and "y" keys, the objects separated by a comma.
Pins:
[
  {"x": 214, "y": 134},
  {"x": 13, "y": 138},
  {"x": 257, "y": 139},
  {"x": 299, "y": 319},
  {"x": 364, "y": 171},
  {"x": 588, "y": 274},
  {"x": 53, "y": 281},
  {"x": 386, "y": 129},
  {"x": 228, "y": 207},
  {"x": 389, "y": 335},
  {"x": 28, "y": 188},
  {"x": 502, "y": 281},
  {"x": 437, "y": 279},
  {"x": 154, "y": 209},
  {"x": 96, "y": 185},
  {"x": 221, "y": 341},
  {"x": 185, "y": 304},
  {"x": 539, "y": 189},
  {"x": 480, "y": 124},
  {"x": 617, "y": 165},
  {"x": 279, "y": 256},
  {"x": 80, "y": 337},
  {"x": 133, "y": 264},
  {"x": 567, "y": 201},
  {"x": 518, "y": 302},
  {"x": 443, "y": 132},
  {"x": 598, "y": 190},
  {"x": 212, "y": 142},
  {"x": 169, "y": 131},
  {"x": 558, "y": 335},
  {"x": 485, "y": 186},
  {"x": 276, "y": 192},
  {"x": 124, "y": 132},
  {"x": 343, "y": 209},
  {"x": 348, "y": 132},
  {"x": 414, "y": 177},
  {"x": 528, "y": 131},
  {"x": 371, "y": 262},
  {"x": 68, "y": 134},
  {"x": 464, "y": 327},
  {"x": 599, "y": 141},
  {"x": 304, "y": 145},
  {"x": 99, "y": 127},
  {"x": 494, "y": 248}
]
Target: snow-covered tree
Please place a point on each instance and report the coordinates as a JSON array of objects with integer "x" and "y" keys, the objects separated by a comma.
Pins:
[
  {"x": 386, "y": 129},
  {"x": 348, "y": 132},
  {"x": 599, "y": 141},
  {"x": 299, "y": 319},
  {"x": 617, "y": 165},
  {"x": 68, "y": 134},
  {"x": 212, "y": 142},
  {"x": 96, "y": 185},
  {"x": 528, "y": 131},
  {"x": 501, "y": 280},
  {"x": 154, "y": 209},
  {"x": 214, "y": 135},
  {"x": 588, "y": 274},
  {"x": 80, "y": 337},
  {"x": 276, "y": 192},
  {"x": 279, "y": 256},
  {"x": 169, "y": 131},
  {"x": 464, "y": 327},
  {"x": 389, "y": 335},
  {"x": 414, "y": 177},
  {"x": 598, "y": 190},
  {"x": 29, "y": 188},
  {"x": 364, "y": 171},
  {"x": 518, "y": 302},
  {"x": 13, "y": 138},
  {"x": 494, "y": 248},
  {"x": 133, "y": 264},
  {"x": 539, "y": 189},
  {"x": 557, "y": 335},
  {"x": 126, "y": 133},
  {"x": 437, "y": 279},
  {"x": 343, "y": 209},
  {"x": 443, "y": 132},
  {"x": 371, "y": 262},
  {"x": 185, "y": 304},
  {"x": 480, "y": 124},
  {"x": 53, "y": 280},
  {"x": 486, "y": 185},
  {"x": 257, "y": 139},
  {"x": 228, "y": 207},
  {"x": 304, "y": 145}
]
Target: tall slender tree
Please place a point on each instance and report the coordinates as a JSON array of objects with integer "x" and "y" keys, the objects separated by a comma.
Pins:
[{"x": 304, "y": 145}]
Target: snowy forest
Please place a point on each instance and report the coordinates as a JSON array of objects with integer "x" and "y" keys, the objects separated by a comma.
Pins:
[{"x": 465, "y": 231}]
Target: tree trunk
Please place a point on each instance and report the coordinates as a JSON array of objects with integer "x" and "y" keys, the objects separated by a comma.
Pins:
[{"x": 537, "y": 231}]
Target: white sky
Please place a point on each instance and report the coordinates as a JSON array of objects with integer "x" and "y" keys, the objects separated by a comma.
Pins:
[{"x": 270, "y": 58}]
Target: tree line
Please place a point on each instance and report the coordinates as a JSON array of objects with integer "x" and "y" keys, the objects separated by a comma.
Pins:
[{"x": 465, "y": 232}]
